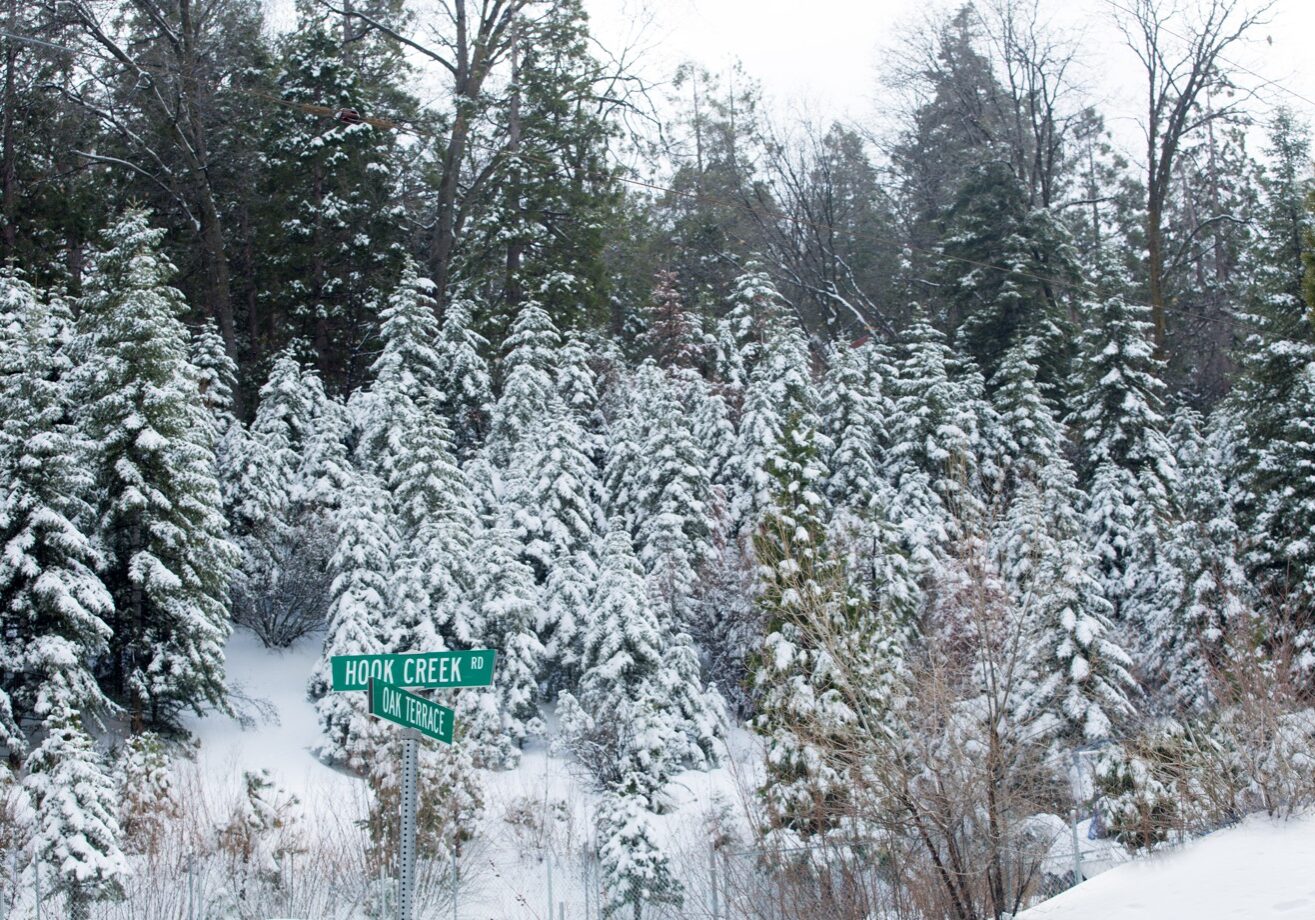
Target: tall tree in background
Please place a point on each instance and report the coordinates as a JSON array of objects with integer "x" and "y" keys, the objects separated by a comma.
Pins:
[
  {"x": 157, "y": 99},
  {"x": 1187, "y": 83}
]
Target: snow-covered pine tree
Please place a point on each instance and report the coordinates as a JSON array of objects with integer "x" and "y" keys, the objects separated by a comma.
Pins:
[
  {"x": 168, "y": 564},
  {"x": 628, "y": 421},
  {"x": 1129, "y": 462},
  {"x": 1288, "y": 520},
  {"x": 76, "y": 833},
  {"x": 362, "y": 566},
  {"x": 577, "y": 386},
  {"x": 1118, "y": 392},
  {"x": 553, "y": 495},
  {"x": 564, "y": 609},
  {"x": 936, "y": 448},
  {"x": 805, "y": 608},
  {"x": 780, "y": 387},
  {"x": 216, "y": 381},
  {"x": 634, "y": 870},
  {"x": 528, "y": 382},
  {"x": 505, "y": 606},
  {"x": 622, "y": 657},
  {"x": 855, "y": 411},
  {"x": 1203, "y": 603},
  {"x": 464, "y": 377},
  {"x": 435, "y": 521},
  {"x": 1078, "y": 672},
  {"x": 672, "y": 338},
  {"x": 53, "y": 606},
  {"x": 756, "y": 312},
  {"x": 410, "y": 364},
  {"x": 674, "y": 496},
  {"x": 330, "y": 238}
]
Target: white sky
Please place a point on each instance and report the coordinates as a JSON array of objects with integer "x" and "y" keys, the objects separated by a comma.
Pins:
[{"x": 822, "y": 58}]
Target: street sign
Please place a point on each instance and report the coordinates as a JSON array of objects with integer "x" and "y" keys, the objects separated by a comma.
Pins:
[
  {"x": 429, "y": 670},
  {"x": 405, "y": 708}
]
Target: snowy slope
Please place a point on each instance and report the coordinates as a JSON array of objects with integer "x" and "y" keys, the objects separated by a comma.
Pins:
[
  {"x": 506, "y": 871},
  {"x": 1260, "y": 870}
]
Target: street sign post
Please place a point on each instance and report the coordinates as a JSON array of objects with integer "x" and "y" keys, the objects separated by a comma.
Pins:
[
  {"x": 410, "y": 711},
  {"x": 384, "y": 678},
  {"x": 427, "y": 670}
]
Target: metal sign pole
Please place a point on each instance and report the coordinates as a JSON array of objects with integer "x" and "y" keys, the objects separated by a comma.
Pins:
[{"x": 407, "y": 869}]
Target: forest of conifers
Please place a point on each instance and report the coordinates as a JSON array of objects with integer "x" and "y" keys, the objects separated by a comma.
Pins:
[{"x": 939, "y": 452}]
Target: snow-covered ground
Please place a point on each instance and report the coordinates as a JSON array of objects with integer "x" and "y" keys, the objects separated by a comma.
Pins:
[
  {"x": 1260, "y": 870},
  {"x": 539, "y": 813}
]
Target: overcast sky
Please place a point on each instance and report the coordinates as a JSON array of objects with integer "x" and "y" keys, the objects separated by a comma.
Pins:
[{"x": 823, "y": 57}]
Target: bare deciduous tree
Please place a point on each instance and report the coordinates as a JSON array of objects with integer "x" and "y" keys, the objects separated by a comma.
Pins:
[{"x": 1183, "y": 59}]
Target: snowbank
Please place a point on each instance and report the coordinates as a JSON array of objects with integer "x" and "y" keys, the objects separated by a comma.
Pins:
[{"x": 1260, "y": 870}]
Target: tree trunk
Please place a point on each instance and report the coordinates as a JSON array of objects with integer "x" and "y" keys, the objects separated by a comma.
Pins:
[{"x": 8, "y": 156}]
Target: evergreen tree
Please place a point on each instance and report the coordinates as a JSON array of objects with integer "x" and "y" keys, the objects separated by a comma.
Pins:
[
  {"x": 53, "y": 606},
  {"x": 1274, "y": 359},
  {"x": 936, "y": 450},
  {"x": 1001, "y": 260},
  {"x": 803, "y": 602},
  {"x": 1203, "y": 600},
  {"x": 362, "y": 566},
  {"x": 674, "y": 498},
  {"x": 217, "y": 383},
  {"x": 161, "y": 522},
  {"x": 1118, "y": 393},
  {"x": 1129, "y": 461},
  {"x": 463, "y": 377},
  {"x": 634, "y": 870},
  {"x": 528, "y": 382},
  {"x": 672, "y": 338},
  {"x": 622, "y": 658},
  {"x": 553, "y": 492},
  {"x": 435, "y": 521},
  {"x": 330, "y": 236},
  {"x": 855, "y": 411},
  {"x": 1080, "y": 672},
  {"x": 76, "y": 831},
  {"x": 756, "y": 315},
  {"x": 410, "y": 364},
  {"x": 505, "y": 604},
  {"x": 779, "y": 388}
]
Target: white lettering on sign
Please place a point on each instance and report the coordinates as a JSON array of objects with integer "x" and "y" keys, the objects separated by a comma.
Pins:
[
  {"x": 359, "y": 671},
  {"x": 420, "y": 672}
]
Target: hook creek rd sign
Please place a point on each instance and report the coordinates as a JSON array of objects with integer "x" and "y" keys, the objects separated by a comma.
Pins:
[{"x": 429, "y": 670}]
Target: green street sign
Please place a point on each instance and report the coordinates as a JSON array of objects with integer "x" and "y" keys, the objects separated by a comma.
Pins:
[
  {"x": 405, "y": 708},
  {"x": 430, "y": 670}
]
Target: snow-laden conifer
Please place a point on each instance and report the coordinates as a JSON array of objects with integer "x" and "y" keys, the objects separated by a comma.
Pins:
[
  {"x": 505, "y": 606},
  {"x": 410, "y": 363},
  {"x": 463, "y": 377},
  {"x": 76, "y": 836},
  {"x": 362, "y": 569},
  {"x": 855, "y": 412},
  {"x": 53, "y": 606},
  {"x": 634, "y": 870},
  {"x": 160, "y": 517},
  {"x": 528, "y": 382}
]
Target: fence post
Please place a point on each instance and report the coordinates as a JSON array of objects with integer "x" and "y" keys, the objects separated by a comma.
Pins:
[
  {"x": 456, "y": 885},
  {"x": 36, "y": 883},
  {"x": 548, "y": 862},
  {"x": 1077, "y": 850},
  {"x": 712, "y": 876}
]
